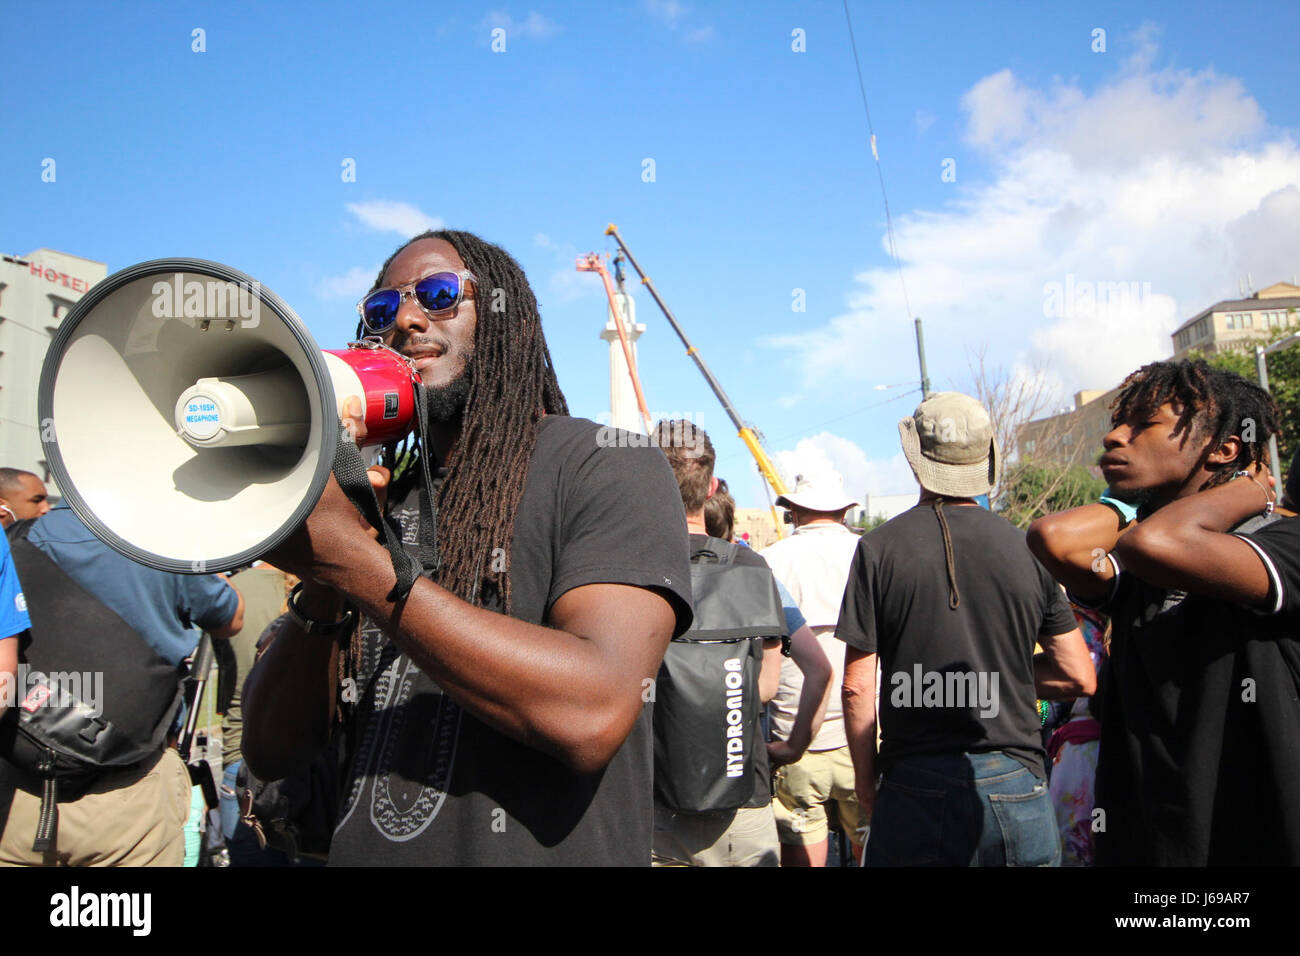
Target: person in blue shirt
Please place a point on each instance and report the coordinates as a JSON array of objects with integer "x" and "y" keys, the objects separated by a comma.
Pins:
[
  {"x": 164, "y": 608},
  {"x": 133, "y": 817},
  {"x": 13, "y": 621}
]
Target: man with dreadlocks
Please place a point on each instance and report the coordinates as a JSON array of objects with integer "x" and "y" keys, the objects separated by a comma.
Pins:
[
  {"x": 1200, "y": 704},
  {"x": 501, "y": 717},
  {"x": 949, "y": 598}
]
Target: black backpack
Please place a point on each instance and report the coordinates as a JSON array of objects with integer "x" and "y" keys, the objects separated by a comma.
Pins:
[
  {"x": 706, "y": 704},
  {"x": 66, "y": 741}
]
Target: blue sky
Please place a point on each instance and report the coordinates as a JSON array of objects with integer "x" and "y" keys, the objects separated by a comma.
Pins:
[{"x": 1169, "y": 161}]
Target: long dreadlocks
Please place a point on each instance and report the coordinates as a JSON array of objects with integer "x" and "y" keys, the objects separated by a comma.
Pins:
[
  {"x": 513, "y": 384},
  {"x": 1213, "y": 403}
]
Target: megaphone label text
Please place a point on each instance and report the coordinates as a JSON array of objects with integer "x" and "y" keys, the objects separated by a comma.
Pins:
[
  {"x": 202, "y": 418},
  {"x": 209, "y": 299}
]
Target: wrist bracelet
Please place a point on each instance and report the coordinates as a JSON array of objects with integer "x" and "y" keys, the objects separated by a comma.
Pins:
[
  {"x": 311, "y": 626},
  {"x": 1268, "y": 501}
]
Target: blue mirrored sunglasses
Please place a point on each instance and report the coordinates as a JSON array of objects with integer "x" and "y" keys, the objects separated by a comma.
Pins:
[{"x": 439, "y": 294}]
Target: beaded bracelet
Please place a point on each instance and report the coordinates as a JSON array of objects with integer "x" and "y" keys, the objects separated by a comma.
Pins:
[{"x": 1268, "y": 501}]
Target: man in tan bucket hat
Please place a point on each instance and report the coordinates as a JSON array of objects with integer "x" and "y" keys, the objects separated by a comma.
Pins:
[
  {"x": 949, "y": 444},
  {"x": 949, "y": 598}
]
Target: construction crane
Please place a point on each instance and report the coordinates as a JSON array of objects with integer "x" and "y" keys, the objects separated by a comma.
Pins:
[
  {"x": 593, "y": 263},
  {"x": 748, "y": 434}
]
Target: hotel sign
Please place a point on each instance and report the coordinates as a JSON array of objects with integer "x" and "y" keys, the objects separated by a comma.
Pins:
[{"x": 57, "y": 277}]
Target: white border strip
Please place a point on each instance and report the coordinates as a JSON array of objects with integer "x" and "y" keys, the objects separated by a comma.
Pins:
[{"x": 1274, "y": 577}]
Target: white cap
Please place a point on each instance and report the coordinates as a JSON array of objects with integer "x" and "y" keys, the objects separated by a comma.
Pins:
[{"x": 823, "y": 492}]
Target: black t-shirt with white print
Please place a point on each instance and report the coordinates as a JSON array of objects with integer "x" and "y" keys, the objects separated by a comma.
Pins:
[
  {"x": 430, "y": 784},
  {"x": 954, "y": 679},
  {"x": 1200, "y": 720}
]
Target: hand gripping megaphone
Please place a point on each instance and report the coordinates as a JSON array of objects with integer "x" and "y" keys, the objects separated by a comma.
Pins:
[{"x": 191, "y": 421}]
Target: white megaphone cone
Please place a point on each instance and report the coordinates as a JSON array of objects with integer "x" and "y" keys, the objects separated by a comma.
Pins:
[{"x": 191, "y": 421}]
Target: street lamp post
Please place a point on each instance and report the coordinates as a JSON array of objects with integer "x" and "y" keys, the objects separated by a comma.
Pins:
[{"x": 1261, "y": 370}]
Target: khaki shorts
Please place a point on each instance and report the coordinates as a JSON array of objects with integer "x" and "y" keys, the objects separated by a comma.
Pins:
[
  {"x": 132, "y": 820},
  {"x": 744, "y": 837},
  {"x": 805, "y": 788}
]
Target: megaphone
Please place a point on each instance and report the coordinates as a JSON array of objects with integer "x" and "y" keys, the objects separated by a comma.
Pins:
[{"x": 191, "y": 421}]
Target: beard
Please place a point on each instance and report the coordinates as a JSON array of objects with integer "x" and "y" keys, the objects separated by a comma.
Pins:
[{"x": 448, "y": 401}]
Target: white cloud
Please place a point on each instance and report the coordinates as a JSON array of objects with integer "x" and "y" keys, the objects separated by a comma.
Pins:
[
  {"x": 678, "y": 16},
  {"x": 826, "y": 453},
  {"x": 565, "y": 283},
  {"x": 534, "y": 26},
  {"x": 924, "y": 119},
  {"x": 1132, "y": 120},
  {"x": 351, "y": 285},
  {"x": 1169, "y": 179},
  {"x": 669, "y": 11},
  {"x": 399, "y": 217}
]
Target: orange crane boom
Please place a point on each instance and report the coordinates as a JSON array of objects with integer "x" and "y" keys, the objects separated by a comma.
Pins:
[{"x": 748, "y": 434}]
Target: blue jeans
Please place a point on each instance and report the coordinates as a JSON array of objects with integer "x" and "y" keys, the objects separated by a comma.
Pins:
[
  {"x": 228, "y": 800},
  {"x": 956, "y": 809}
]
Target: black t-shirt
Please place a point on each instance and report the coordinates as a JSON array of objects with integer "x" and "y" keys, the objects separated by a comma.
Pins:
[
  {"x": 432, "y": 784},
  {"x": 762, "y": 772},
  {"x": 1200, "y": 721},
  {"x": 953, "y": 679}
]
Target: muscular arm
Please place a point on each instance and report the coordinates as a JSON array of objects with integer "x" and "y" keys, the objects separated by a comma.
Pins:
[
  {"x": 289, "y": 696},
  {"x": 1072, "y": 545},
  {"x": 1184, "y": 546},
  {"x": 809, "y": 657},
  {"x": 858, "y": 696},
  {"x": 1064, "y": 671},
  {"x": 236, "y": 623},
  {"x": 572, "y": 689},
  {"x": 769, "y": 675}
]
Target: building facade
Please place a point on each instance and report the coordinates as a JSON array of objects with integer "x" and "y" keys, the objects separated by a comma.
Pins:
[
  {"x": 886, "y": 506},
  {"x": 1069, "y": 438},
  {"x": 36, "y": 292},
  {"x": 1239, "y": 323},
  {"x": 1075, "y": 437}
]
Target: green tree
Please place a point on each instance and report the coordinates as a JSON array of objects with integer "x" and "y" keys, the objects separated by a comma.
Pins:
[
  {"x": 870, "y": 524},
  {"x": 1030, "y": 490},
  {"x": 1283, "y": 383}
]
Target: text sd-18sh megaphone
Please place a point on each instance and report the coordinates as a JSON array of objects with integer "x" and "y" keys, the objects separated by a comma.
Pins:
[{"x": 191, "y": 421}]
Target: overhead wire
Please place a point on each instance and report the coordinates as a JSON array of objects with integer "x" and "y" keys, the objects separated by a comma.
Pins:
[
  {"x": 802, "y": 432},
  {"x": 889, "y": 228},
  {"x": 880, "y": 172}
]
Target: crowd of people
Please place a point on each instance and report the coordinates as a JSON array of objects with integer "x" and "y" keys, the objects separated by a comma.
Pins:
[{"x": 591, "y": 670}]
